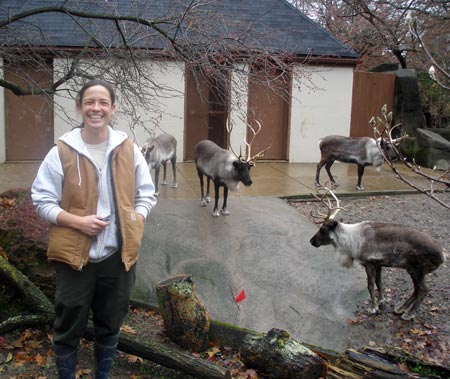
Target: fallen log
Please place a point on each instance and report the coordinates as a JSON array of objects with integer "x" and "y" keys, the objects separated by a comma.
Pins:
[
  {"x": 171, "y": 358},
  {"x": 280, "y": 356},
  {"x": 186, "y": 318},
  {"x": 35, "y": 298}
]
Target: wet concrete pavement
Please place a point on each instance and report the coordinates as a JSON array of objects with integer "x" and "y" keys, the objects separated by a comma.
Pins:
[{"x": 262, "y": 247}]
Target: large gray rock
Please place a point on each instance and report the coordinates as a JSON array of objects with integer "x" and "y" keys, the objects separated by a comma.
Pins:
[
  {"x": 407, "y": 106},
  {"x": 262, "y": 247},
  {"x": 432, "y": 149}
]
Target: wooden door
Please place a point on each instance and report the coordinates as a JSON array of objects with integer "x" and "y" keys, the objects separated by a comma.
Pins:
[
  {"x": 206, "y": 112},
  {"x": 29, "y": 119},
  {"x": 269, "y": 104},
  {"x": 371, "y": 90}
]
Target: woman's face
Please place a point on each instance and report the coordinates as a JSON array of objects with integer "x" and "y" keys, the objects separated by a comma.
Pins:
[{"x": 96, "y": 107}]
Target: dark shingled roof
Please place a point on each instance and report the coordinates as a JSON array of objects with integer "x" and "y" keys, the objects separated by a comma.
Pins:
[{"x": 267, "y": 25}]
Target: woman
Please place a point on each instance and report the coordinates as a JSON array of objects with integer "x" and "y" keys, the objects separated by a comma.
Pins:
[{"x": 95, "y": 189}]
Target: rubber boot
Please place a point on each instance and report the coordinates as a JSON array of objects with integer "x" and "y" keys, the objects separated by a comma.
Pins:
[
  {"x": 66, "y": 361},
  {"x": 104, "y": 351}
]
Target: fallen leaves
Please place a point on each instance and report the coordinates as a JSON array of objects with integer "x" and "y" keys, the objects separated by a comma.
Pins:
[{"x": 25, "y": 349}]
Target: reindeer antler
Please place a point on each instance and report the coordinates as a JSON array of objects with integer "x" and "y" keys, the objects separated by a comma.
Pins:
[
  {"x": 332, "y": 211},
  {"x": 255, "y": 132}
]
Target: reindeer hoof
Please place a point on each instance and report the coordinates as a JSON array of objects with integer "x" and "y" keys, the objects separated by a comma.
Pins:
[
  {"x": 373, "y": 310},
  {"x": 203, "y": 203},
  {"x": 216, "y": 213},
  {"x": 225, "y": 212},
  {"x": 175, "y": 185},
  {"x": 359, "y": 188},
  {"x": 164, "y": 182},
  {"x": 399, "y": 310},
  {"x": 407, "y": 316},
  {"x": 157, "y": 194},
  {"x": 318, "y": 185},
  {"x": 207, "y": 199}
]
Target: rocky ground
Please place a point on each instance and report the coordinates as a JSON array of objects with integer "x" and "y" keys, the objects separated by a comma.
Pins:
[{"x": 26, "y": 354}]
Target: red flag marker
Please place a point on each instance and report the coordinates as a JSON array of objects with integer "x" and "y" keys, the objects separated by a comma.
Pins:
[{"x": 240, "y": 296}]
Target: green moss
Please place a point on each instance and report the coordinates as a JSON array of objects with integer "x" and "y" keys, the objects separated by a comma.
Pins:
[{"x": 423, "y": 370}]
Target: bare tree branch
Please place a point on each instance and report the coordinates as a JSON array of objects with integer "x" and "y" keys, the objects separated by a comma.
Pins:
[{"x": 382, "y": 127}]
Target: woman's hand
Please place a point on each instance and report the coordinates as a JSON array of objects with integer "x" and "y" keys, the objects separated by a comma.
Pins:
[{"x": 90, "y": 225}]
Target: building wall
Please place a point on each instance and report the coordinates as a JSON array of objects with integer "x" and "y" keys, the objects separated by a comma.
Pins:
[
  {"x": 169, "y": 118},
  {"x": 321, "y": 105}
]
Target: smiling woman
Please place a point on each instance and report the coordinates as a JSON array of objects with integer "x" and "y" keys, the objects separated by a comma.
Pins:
[{"x": 92, "y": 173}]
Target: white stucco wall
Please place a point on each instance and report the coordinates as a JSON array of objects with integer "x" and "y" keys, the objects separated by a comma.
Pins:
[
  {"x": 321, "y": 105},
  {"x": 238, "y": 112},
  {"x": 168, "y": 119}
]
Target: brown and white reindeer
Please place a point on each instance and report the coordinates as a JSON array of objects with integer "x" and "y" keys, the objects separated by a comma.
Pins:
[
  {"x": 376, "y": 245},
  {"x": 364, "y": 151},
  {"x": 158, "y": 151},
  {"x": 225, "y": 168}
]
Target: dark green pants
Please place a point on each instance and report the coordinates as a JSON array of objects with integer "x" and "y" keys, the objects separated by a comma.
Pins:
[{"x": 104, "y": 287}]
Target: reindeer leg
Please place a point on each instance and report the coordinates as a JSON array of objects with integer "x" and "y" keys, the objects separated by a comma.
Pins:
[
  {"x": 216, "y": 212},
  {"x": 224, "y": 210},
  {"x": 208, "y": 196},
  {"x": 164, "y": 181},
  {"x": 157, "y": 179},
  {"x": 202, "y": 191},
  {"x": 359, "y": 187},
  {"x": 319, "y": 167},
  {"x": 173, "y": 161},
  {"x": 371, "y": 275},
  {"x": 378, "y": 282},
  {"x": 420, "y": 291},
  {"x": 328, "y": 169}
]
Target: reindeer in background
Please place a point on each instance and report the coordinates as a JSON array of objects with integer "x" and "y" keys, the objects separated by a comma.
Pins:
[
  {"x": 364, "y": 151},
  {"x": 158, "y": 151},
  {"x": 225, "y": 168},
  {"x": 377, "y": 245}
]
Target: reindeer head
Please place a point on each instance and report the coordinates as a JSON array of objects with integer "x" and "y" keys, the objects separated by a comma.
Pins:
[
  {"x": 146, "y": 149},
  {"x": 325, "y": 235}
]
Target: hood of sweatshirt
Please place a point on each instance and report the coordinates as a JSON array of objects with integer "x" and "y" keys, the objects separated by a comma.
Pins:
[{"x": 75, "y": 140}]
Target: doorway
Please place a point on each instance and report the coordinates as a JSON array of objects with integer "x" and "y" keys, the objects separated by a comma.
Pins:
[
  {"x": 206, "y": 101},
  {"x": 28, "y": 119}
]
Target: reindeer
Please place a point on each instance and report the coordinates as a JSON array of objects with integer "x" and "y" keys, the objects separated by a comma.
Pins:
[
  {"x": 377, "y": 245},
  {"x": 157, "y": 151},
  {"x": 364, "y": 151},
  {"x": 225, "y": 168}
]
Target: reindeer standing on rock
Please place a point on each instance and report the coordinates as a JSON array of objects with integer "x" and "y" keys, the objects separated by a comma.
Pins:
[
  {"x": 377, "y": 245},
  {"x": 225, "y": 168}
]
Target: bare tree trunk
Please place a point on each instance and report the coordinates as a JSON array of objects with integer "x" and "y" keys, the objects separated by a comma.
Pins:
[{"x": 185, "y": 317}]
